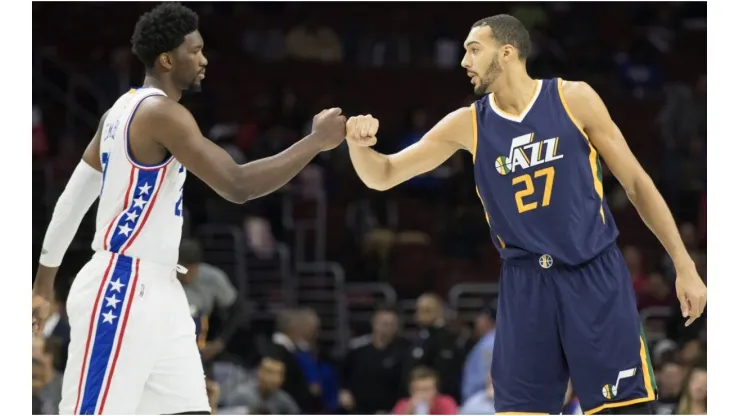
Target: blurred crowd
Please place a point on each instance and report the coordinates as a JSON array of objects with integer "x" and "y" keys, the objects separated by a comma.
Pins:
[{"x": 275, "y": 64}]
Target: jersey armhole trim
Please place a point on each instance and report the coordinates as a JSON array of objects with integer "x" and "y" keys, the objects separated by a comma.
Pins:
[
  {"x": 567, "y": 110},
  {"x": 127, "y": 149},
  {"x": 475, "y": 130},
  {"x": 593, "y": 156}
]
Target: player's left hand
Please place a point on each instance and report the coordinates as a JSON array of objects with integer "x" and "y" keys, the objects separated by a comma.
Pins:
[
  {"x": 40, "y": 309},
  {"x": 692, "y": 294}
]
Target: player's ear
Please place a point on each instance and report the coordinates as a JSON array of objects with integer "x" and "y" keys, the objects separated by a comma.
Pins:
[
  {"x": 165, "y": 59},
  {"x": 507, "y": 52}
]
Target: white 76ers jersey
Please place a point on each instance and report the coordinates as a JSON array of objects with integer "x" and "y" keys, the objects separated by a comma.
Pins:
[{"x": 140, "y": 206}]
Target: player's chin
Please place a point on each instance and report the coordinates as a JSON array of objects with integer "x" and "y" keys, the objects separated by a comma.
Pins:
[{"x": 195, "y": 86}]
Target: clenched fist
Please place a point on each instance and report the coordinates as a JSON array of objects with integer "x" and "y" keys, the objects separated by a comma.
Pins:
[
  {"x": 328, "y": 127},
  {"x": 361, "y": 130}
]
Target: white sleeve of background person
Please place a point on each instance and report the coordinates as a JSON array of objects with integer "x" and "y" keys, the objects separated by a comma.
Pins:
[{"x": 79, "y": 194}]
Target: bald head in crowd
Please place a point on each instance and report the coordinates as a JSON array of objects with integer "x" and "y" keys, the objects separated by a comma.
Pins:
[
  {"x": 298, "y": 324},
  {"x": 430, "y": 310}
]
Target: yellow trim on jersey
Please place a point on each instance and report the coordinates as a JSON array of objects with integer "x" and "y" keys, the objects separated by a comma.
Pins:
[
  {"x": 530, "y": 103},
  {"x": 592, "y": 156},
  {"x": 203, "y": 331},
  {"x": 503, "y": 245},
  {"x": 645, "y": 379},
  {"x": 475, "y": 131}
]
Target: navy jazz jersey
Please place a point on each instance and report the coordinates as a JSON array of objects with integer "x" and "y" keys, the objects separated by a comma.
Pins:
[{"x": 539, "y": 179}]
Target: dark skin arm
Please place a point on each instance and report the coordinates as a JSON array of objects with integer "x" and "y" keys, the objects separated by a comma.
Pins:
[
  {"x": 174, "y": 128},
  {"x": 43, "y": 286}
]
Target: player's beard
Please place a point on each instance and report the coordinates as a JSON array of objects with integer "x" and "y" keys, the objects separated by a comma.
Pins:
[
  {"x": 493, "y": 72},
  {"x": 195, "y": 86}
]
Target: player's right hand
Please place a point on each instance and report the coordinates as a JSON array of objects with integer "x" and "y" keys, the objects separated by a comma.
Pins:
[
  {"x": 329, "y": 127},
  {"x": 361, "y": 130},
  {"x": 40, "y": 309}
]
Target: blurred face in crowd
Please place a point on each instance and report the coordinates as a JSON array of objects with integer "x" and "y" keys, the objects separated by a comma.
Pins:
[
  {"x": 658, "y": 286},
  {"x": 671, "y": 379},
  {"x": 428, "y": 311},
  {"x": 310, "y": 326},
  {"x": 424, "y": 389},
  {"x": 483, "y": 324},
  {"x": 270, "y": 375},
  {"x": 385, "y": 325},
  {"x": 633, "y": 258},
  {"x": 688, "y": 235},
  {"x": 698, "y": 385},
  {"x": 691, "y": 352},
  {"x": 41, "y": 370}
]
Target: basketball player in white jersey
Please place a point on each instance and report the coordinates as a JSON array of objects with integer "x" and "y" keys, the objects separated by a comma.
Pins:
[{"x": 133, "y": 347}]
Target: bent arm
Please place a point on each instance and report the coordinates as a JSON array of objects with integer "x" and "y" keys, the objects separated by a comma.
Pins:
[
  {"x": 176, "y": 130},
  {"x": 382, "y": 172},
  {"x": 589, "y": 110},
  {"x": 79, "y": 194}
]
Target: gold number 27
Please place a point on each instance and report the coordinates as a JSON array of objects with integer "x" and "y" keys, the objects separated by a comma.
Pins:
[{"x": 548, "y": 173}]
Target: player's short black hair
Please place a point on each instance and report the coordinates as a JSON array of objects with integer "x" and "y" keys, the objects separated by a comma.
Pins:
[
  {"x": 508, "y": 29},
  {"x": 162, "y": 29}
]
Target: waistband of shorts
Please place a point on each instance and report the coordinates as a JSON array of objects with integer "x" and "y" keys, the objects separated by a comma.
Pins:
[
  {"x": 545, "y": 261},
  {"x": 161, "y": 267}
]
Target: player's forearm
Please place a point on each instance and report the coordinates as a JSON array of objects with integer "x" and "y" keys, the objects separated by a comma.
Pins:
[
  {"x": 43, "y": 285},
  {"x": 655, "y": 213},
  {"x": 74, "y": 202},
  {"x": 264, "y": 176},
  {"x": 372, "y": 167}
]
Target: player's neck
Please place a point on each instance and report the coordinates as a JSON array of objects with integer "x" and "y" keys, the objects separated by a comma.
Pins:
[
  {"x": 163, "y": 84},
  {"x": 514, "y": 91}
]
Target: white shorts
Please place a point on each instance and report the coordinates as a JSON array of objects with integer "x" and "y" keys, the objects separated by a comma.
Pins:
[{"x": 133, "y": 348}]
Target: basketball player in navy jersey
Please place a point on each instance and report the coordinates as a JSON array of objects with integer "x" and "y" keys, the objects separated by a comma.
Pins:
[
  {"x": 566, "y": 304},
  {"x": 132, "y": 347}
]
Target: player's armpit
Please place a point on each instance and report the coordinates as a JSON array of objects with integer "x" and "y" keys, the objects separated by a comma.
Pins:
[
  {"x": 382, "y": 172},
  {"x": 175, "y": 128}
]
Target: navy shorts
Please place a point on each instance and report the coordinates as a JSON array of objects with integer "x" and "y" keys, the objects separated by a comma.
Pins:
[{"x": 557, "y": 322}]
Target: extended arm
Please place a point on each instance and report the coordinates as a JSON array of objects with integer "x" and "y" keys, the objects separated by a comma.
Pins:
[
  {"x": 175, "y": 129},
  {"x": 382, "y": 172},
  {"x": 591, "y": 115},
  {"x": 81, "y": 191}
]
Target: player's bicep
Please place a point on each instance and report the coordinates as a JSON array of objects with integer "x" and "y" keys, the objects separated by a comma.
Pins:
[
  {"x": 452, "y": 133},
  {"x": 419, "y": 158},
  {"x": 605, "y": 136},
  {"x": 178, "y": 132}
]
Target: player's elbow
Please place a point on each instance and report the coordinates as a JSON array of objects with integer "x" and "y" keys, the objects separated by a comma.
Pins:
[{"x": 638, "y": 186}]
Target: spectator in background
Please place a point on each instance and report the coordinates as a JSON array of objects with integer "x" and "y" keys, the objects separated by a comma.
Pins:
[
  {"x": 670, "y": 381},
  {"x": 424, "y": 398},
  {"x": 633, "y": 258},
  {"x": 311, "y": 41},
  {"x": 435, "y": 346},
  {"x": 480, "y": 403},
  {"x": 656, "y": 293},
  {"x": 287, "y": 341},
  {"x": 264, "y": 395},
  {"x": 319, "y": 372},
  {"x": 209, "y": 289},
  {"x": 372, "y": 367},
  {"x": 46, "y": 384},
  {"x": 56, "y": 328},
  {"x": 694, "y": 396},
  {"x": 478, "y": 363}
]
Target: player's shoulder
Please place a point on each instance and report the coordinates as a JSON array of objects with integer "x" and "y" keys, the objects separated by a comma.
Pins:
[{"x": 577, "y": 91}]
